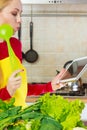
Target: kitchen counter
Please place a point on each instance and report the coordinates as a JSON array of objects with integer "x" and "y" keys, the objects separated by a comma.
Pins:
[{"x": 32, "y": 99}]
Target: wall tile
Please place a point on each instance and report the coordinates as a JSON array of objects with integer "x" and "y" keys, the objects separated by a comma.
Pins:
[{"x": 59, "y": 35}]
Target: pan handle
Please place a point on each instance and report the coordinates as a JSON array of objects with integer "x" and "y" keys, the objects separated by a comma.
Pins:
[
  {"x": 31, "y": 34},
  {"x": 19, "y": 33}
]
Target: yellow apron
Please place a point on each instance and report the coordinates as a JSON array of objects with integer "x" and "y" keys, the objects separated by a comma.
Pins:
[{"x": 6, "y": 69}]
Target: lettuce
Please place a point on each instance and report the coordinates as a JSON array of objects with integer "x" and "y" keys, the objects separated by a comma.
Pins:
[
  {"x": 62, "y": 110},
  {"x": 50, "y": 112}
]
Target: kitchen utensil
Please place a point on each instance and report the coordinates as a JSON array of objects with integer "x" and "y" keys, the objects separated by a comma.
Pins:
[
  {"x": 75, "y": 70},
  {"x": 6, "y": 31},
  {"x": 31, "y": 55},
  {"x": 19, "y": 33},
  {"x": 19, "y": 37},
  {"x": 67, "y": 63}
]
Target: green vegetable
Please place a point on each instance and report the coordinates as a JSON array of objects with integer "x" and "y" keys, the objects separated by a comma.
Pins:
[
  {"x": 36, "y": 123},
  {"x": 31, "y": 115},
  {"x": 10, "y": 112},
  {"x": 3, "y": 115},
  {"x": 50, "y": 112},
  {"x": 55, "y": 106},
  {"x": 62, "y": 110},
  {"x": 18, "y": 127},
  {"x": 4, "y": 105},
  {"x": 34, "y": 107},
  {"x": 49, "y": 123}
]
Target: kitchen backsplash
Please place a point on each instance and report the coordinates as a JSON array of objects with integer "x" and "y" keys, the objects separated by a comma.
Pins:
[{"x": 59, "y": 35}]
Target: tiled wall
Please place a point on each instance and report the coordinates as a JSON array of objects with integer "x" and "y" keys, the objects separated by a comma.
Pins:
[{"x": 59, "y": 35}]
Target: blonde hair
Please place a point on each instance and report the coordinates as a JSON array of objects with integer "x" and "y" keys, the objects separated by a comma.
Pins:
[{"x": 4, "y": 3}]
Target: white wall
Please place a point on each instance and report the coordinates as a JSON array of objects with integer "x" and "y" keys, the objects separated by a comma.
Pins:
[{"x": 60, "y": 34}]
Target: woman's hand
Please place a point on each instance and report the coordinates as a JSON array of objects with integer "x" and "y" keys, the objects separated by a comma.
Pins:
[
  {"x": 14, "y": 82},
  {"x": 55, "y": 84}
]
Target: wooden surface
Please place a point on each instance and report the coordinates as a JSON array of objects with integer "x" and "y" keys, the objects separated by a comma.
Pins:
[{"x": 31, "y": 99}]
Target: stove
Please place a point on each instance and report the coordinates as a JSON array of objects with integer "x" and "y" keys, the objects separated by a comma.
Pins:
[
  {"x": 69, "y": 93},
  {"x": 66, "y": 91}
]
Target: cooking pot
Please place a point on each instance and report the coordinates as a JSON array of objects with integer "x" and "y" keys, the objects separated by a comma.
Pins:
[{"x": 72, "y": 87}]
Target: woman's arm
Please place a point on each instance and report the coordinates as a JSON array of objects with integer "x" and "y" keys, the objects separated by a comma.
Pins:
[
  {"x": 4, "y": 94},
  {"x": 38, "y": 89}
]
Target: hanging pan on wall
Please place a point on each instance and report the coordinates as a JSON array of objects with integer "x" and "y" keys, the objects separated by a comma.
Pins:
[{"x": 31, "y": 55}]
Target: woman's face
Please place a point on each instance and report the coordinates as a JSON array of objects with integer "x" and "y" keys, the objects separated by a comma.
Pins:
[{"x": 11, "y": 14}]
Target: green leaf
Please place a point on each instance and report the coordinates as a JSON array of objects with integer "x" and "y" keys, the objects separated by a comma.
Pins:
[
  {"x": 62, "y": 110},
  {"x": 31, "y": 115},
  {"x": 49, "y": 123},
  {"x": 6, "y": 105},
  {"x": 18, "y": 127}
]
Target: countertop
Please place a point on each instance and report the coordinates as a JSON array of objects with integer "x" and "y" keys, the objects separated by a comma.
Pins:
[{"x": 32, "y": 99}]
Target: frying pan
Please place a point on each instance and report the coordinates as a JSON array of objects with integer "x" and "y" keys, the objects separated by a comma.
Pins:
[{"x": 31, "y": 55}]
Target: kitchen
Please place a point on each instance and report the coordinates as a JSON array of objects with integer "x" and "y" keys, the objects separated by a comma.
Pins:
[
  {"x": 14, "y": 113},
  {"x": 59, "y": 35}
]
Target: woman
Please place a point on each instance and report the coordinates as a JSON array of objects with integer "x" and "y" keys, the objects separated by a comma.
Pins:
[{"x": 10, "y": 84}]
